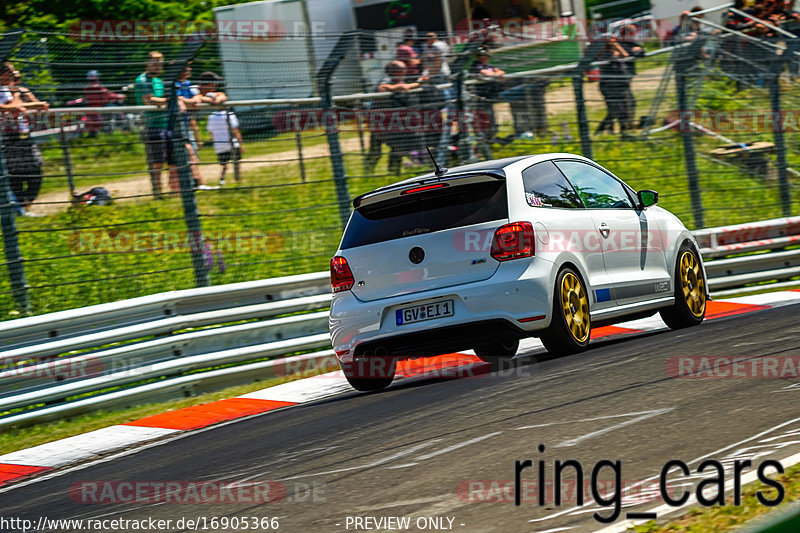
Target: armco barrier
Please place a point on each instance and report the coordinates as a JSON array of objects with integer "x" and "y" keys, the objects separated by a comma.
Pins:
[
  {"x": 764, "y": 235},
  {"x": 172, "y": 344}
]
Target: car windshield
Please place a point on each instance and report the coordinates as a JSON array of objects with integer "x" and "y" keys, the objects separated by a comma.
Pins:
[{"x": 436, "y": 210}]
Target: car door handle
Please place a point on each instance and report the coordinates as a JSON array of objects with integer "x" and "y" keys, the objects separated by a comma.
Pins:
[{"x": 604, "y": 229}]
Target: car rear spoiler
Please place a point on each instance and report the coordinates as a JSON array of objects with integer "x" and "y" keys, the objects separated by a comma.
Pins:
[{"x": 398, "y": 190}]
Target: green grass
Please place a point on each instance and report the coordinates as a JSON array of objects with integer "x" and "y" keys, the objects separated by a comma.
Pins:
[
  {"x": 728, "y": 517},
  {"x": 119, "y": 156}
]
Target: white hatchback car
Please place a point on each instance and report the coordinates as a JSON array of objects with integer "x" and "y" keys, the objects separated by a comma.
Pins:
[{"x": 480, "y": 256}]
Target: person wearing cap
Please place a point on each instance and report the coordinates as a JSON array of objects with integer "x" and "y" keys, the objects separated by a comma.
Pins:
[
  {"x": 96, "y": 94},
  {"x": 222, "y": 123}
]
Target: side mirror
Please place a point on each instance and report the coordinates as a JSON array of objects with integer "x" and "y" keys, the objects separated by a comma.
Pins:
[{"x": 647, "y": 198}]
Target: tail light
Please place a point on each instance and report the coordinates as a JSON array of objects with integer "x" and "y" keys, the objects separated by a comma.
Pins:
[
  {"x": 513, "y": 241},
  {"x": 341, "y": 277}
]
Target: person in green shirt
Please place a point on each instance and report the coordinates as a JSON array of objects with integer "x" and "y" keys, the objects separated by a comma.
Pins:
[{"x": 149, "y": 89}]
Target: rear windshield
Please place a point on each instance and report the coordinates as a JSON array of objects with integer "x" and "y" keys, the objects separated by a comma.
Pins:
[{"x": 452, "y": 207}]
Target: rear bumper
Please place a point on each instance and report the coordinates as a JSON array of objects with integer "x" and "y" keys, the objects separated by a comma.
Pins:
[
  {"x": 440, "y": 340},
  {"x": 498, "y": 306}
]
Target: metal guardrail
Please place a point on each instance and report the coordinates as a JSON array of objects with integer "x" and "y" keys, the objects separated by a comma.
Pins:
[
  {"x": 770, "y": 234},
  {"x": 172, "y": 344}
]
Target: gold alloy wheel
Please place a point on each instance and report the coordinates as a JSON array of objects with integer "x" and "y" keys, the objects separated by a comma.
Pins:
[
  {"x": 575, "y": 306},
  {"x": 693, "y": 284}
]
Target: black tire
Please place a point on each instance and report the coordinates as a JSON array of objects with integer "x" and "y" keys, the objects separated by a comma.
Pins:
[
  {"x": 367, "y": 374},
  {"x": 689, "y": 308},
  {"x": 497, "y": 352},
  {"x": 559, "y": 338}
]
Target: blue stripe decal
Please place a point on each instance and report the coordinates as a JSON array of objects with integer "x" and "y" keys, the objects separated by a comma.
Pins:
[{"x": 602, "y": 295}]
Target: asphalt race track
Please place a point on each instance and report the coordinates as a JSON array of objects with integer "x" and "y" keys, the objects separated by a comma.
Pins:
[{"x": 441, "y": 447}]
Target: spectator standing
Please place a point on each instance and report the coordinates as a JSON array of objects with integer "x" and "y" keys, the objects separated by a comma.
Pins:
[
  {"x": 634, "y": 50},
  {"x": 222, "y": 123},
  {"x": 394, "y": 82},
  {"x": 614, "y": 86},
  {"x": 437, "y": 52},
  {"x": 189, "y": 98},
  {"x": 488, "y": 91},
  {"x": 737, "y": 47},
  {"x": 149, "y": 89},
  {"x": 23, "y": 159},
  {"x": 95, "y": 94}
]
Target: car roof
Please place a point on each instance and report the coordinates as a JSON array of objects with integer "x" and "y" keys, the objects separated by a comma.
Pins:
[{"x": 491, "y": 166}]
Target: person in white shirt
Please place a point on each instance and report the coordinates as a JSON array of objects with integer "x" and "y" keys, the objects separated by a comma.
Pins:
[
  {"x": 434, "y": 56},
  {"x": 23, "y": 158},
  {"x": 222, "y": 124}
]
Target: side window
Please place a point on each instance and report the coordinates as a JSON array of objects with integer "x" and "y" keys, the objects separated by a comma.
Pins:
[
  {"x": 545, "y": 186},
  {"x": 595, "y": 188}
]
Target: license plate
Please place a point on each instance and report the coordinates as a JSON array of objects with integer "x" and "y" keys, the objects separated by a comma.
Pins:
[{"x": 418, "y": 313}]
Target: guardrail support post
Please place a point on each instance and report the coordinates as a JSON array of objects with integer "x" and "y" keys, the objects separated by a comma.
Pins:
[
  {"x": 583, "y": 120},
  {"x": 190, "y": 213}
]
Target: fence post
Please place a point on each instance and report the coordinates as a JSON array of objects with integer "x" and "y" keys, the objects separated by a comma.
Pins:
[
  {"x": 237, "y": 154},
  {"x": 589, "y": 56},
  {"x": 683, "y": 60},
  {"x": 580, "y": 108},
  {"x": 464, "y": 152},
  {"x": 8, "y": 224},
  {"x": 325, "y": 76},
  {"x": 689, "y": 155},
  {"x": 67, "y": 159},
  {"x": 780, "y": 141},
  {"x": 298, "y": 139},
  {"x": 178, "y": 143},
  {"x": 780, "y": 148}
]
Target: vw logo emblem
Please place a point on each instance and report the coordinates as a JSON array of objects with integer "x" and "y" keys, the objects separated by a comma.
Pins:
[{"x": 416, "y": 255}]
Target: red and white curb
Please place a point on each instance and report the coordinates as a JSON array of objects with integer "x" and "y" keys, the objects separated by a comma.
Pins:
[{"x": 22, "y": 464}]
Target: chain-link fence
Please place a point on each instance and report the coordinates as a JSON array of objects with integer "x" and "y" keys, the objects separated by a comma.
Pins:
[{"x": 210, "y": 192}]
